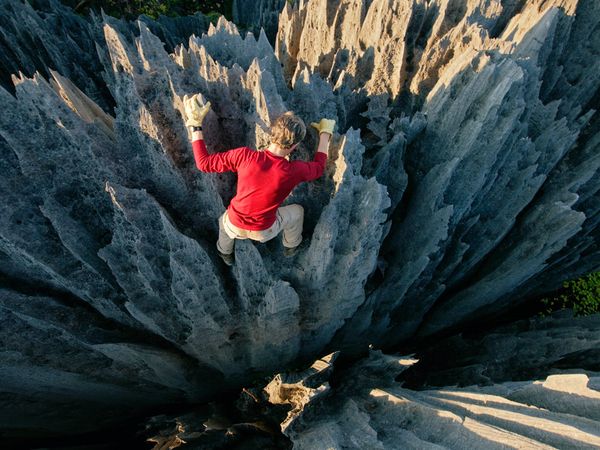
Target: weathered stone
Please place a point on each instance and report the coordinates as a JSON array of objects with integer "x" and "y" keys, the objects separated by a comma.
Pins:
[
  {"x": 462, "y": 181},
  {"x": 61, "y": 361},
  {"x": 298, "y": 389},
  {"x": 523, "y": 350},
  {"x": 367, "y": 409}
]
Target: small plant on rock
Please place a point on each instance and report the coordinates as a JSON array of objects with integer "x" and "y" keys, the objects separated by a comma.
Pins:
[{"x": 581, "y": 295}]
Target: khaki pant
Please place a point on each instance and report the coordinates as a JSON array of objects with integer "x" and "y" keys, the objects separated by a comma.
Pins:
[{"x": 289, "y": 220}]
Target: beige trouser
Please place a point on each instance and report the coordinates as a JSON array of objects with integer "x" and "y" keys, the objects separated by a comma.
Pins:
[{"x": 289, "y": 220}]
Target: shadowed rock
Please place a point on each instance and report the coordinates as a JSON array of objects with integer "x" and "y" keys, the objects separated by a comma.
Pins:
[{"x": 257, "y": 15}]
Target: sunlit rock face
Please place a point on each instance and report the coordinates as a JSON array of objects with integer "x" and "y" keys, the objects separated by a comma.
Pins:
[
  {"x": 463, "y": 180},
  {"x": 370, "y": 410},
  {"x": 525, "y": 385},
  {"x": 496, "y": 199}
]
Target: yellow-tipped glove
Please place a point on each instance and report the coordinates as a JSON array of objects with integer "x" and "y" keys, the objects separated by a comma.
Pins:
[
  {"x": 194, "y": 110},
  {"x": 324, "y": 126}
]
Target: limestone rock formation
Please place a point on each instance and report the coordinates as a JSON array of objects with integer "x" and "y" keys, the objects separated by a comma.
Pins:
[
  {"x": 523, "y": 350},
  {"x": 299, "y": 389},
  {"x": 372, "y": 403},
  {"x": 488, "y": 216},
  {"x": 462, "y": 180},
  {"x": 369, "y": 410}
]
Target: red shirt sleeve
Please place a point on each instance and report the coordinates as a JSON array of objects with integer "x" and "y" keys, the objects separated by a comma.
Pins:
[
  {"x": 227, "y": 161},
  {"x": 308, "y": 171}
]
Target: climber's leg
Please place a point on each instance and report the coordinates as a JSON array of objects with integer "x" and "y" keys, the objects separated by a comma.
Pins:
[
  {"x": 291, "y": 219},
  {"x": 263, "y": 235},
  {"x": 226, "y": 236}
]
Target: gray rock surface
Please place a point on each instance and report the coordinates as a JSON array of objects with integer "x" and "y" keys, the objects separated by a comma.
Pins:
[
  {"x": 369, "y": 410},
  {"x": 51, "y": 37},
  {"x": 487, "y": 216},
  {"x": 463, "y": 180},
  {"x": 523, "y": 350},
  {"x": 372, "y": 404}
]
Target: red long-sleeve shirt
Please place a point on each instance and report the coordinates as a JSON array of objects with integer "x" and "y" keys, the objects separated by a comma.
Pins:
[{"x": 264, "y": 181}]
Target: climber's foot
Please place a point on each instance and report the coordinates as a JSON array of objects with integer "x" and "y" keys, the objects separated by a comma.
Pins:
[
  {"x": 227, "y": 259},
  {"x": 288, "y": 252}
]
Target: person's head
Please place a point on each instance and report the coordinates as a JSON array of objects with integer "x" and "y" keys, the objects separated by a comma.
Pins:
[{"x": 287, "y": 131}]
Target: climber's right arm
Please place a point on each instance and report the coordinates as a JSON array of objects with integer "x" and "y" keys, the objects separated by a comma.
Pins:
[
  {"x": 227, "y": 161},
  {"x": 195, "y": 113}
]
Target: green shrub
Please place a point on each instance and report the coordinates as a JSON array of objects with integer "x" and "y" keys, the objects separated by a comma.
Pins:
[{"x": 581, "y": 295}]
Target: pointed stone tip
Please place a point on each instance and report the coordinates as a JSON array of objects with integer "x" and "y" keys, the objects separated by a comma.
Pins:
[
  {"x": 113, "y": 195},
  {"x": 142, "y": 26},
  {"x": 20, "y": 77},
  {"x": 262, "y": 36},
  {"x": 221, "y": 21},
  {"x": 16, "y": 78}
]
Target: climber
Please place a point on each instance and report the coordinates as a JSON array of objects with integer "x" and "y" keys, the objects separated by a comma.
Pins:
[{"x": 265, "y": 179}]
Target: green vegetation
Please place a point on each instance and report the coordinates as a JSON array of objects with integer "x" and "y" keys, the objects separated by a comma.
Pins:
[
  {"x": 131, "y": 9},
  {"x": 581, "y": 295}
]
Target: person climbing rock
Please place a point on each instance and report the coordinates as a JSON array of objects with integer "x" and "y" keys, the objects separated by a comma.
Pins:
[{"x": 265, "y": 179}]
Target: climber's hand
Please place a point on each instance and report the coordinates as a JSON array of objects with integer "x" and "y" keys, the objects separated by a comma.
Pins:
[
  {"x": 324, "y": 126},
  {"x": 194, "y": 110}
]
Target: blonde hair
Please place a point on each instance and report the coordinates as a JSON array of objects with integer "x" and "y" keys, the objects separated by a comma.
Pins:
[{"x": 287, "y": 130}]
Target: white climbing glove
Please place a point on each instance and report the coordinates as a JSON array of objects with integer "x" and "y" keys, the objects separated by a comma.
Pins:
[
  {"x": 194, "y": 110},
  {"x": 324, "y": 126}
]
